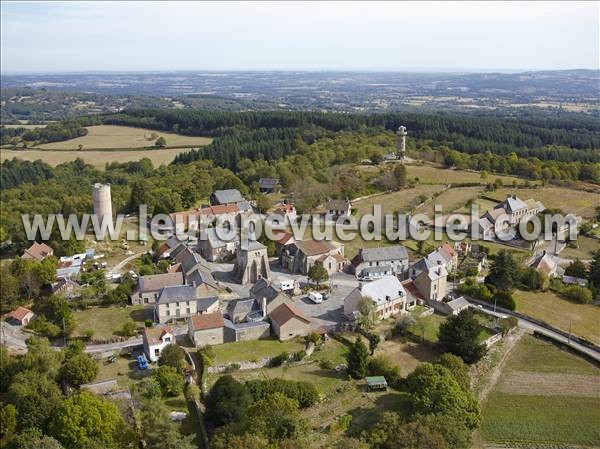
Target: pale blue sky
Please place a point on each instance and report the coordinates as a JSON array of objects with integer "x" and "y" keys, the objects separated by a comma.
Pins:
[{"x": 92, "y": 36}]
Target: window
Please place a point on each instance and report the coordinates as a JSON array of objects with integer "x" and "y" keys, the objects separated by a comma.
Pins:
[
  {"x": 157, "y": 352},
  {"x": 177, "y": 312},
  {"x": 168, "y": 312},
  {"x": 167, "y": 339},
  {"x": 187, "y": 310},
  {"x": 187, "y": 303}
]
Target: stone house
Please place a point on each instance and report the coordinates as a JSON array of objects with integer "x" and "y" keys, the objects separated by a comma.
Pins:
[
  {"x": 149, "y": 287},
  {"x": 215, "y": 249},
  {"x": 37, "y": 251},
  {"x": 288, "y": 322},
  {"x": 432, "y": 283},
  {"x": 374, "y": 263},
  {"x": 181, "y": 301},
  {"x": 206, "y": 329},
  {"x": 338, "y": 208},
  {"x": 303, "y": 254},
  {"x": 21, "y": 316},
  {"x": 268, "y": 185}
]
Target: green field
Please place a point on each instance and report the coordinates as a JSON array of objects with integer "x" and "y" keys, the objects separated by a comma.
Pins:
[
  {"x": 546, "y": 395},
  {"x": 578, "y": 202},
  {"x": 585, "y": 247},
  {"x": 582, "y": 319},
  {"x": 245, "y": 351},
  {"x": 106, "y": 322}
]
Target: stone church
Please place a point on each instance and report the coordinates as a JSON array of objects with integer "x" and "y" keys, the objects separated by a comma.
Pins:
[{"x": 251, "y": 263}]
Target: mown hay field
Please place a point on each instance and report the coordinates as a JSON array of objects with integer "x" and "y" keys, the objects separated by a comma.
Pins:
[
  {"x": 430, "y": 174},
  {"x": 546, "y": 395},
  {"x": 98, "y": 159}
]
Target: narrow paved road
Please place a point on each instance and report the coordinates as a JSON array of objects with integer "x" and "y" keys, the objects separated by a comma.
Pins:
[{"x": 531, "y": 326}]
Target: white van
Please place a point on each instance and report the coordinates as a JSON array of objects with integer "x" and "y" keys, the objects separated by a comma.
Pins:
[
  {"x": 287, "y": 285},
  {"x": 315, "y": 297}
]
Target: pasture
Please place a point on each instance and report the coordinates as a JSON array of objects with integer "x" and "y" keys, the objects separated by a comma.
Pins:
[
  {"x": 431, "y": 174},
  {"x": 578, "y": 202},
  {"x": 109, "y": 136},
  {"x": 545, "y": 395},
  {"x": 582, "y": 319},
  {"x": 401, "y": 201},
  {"x": 98, "y": 159}
]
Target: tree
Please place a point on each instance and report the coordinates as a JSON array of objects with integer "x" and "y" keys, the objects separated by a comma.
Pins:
[
  {"x": 459, "y": 335},
  {"x": 503, "y": 298},
  {"x": 358, "y": 359},
  {"x": 263, "y": 203},
  {"x": 503, "y": 270},
  {"x": 578, "y": 294},
  {"x": 228, "y": 401},
  {"x": 594, "y": 271},
  {"x": 172, "y": 355},
  {"x": 161, "y": 142},
  {"x": 304, "y": 392},
  {"x": 36, "y": 398},
  {"x": 400, "y": 175},
  {"x": 170, "y": 381},
  {"x": 8, "y": 420},
  {"x": 457, "y": 368},
  {"x": 79, "y": 369},
  {"x": 158, "y": 431},
  {"x": 276, "y": 417},
  {"x": 577, "y": 269},
  {"x": 33, "y": 439},
  {"x": 376, "y": 157},
  {"x": 434, "y": 390},
  {"x": 367, "y": 316},
  {"x": 391, "y": 432},
  {"x": 374, "y": 340},
  {"x": 85, "y": 417},
  {"x": 317, "y": 273},
  {"x": 224, "y": 439},
  {"x": 129, "y": 328}
]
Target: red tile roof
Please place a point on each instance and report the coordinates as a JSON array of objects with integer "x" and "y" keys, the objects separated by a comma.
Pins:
[
  {"x": 38, "y": 251},
  {"x": 219, "y": 209},
  {"x": 154, "y": 335},
  {"x": 19, "y": 313},
  {"x": 283, "y": 237},
  {"x": 286, "y": 208},
  {"x": 207, "y": 321},
  {"x": 411, "y": 288},
  {"x": 286, "y": 312}
]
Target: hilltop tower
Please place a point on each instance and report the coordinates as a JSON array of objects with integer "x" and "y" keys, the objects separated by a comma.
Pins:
[
  {"x": 102, "y": 200},
  {"x": 401, "y": 142}
]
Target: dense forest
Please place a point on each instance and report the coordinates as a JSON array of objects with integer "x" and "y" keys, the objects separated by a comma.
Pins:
[
  {"x": 53, "y": 132},
  {"x": 572, "y": 137}
]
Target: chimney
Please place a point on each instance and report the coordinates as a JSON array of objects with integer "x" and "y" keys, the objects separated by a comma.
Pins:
[{"x": 264, "y": 307}]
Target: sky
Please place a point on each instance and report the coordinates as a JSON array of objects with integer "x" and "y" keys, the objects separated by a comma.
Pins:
[{"x": 410, "y": 36}]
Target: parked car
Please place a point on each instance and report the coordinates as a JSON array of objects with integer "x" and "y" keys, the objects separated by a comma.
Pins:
[{"x": 315, "y": 297}]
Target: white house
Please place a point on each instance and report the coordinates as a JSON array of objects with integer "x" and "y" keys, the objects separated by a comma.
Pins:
[
  {"x": 156, "y": 339},
  {"x": 388, "y": 295}
]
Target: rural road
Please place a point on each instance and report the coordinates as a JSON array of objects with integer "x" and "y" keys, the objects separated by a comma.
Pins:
[
  {"x": 118, "y": 267},
  {"x": 531, "y": 326}
]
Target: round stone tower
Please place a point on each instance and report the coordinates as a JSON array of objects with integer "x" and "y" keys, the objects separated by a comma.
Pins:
[{"x": 102, "y": 201}]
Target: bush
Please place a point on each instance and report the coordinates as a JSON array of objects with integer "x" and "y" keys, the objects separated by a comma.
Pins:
[
  {"x": 305, "y": 393},
  {"x": 298, "y": 356},
  {"x": 232, "y": 367},
  {"x": 279, "y": 360},
  {"x": 326, "y": 364},
  {"x": 504, "y": 299},
  {"x": 382, "y": 366},
  {"x": 148, "y": 323},
  {"x": 403, "y": 325},
  {"x": 170, "y": 381},
  {"x": 578, "y": 294}
]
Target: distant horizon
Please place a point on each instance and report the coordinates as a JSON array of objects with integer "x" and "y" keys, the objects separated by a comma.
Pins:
[{"x": 301, "y": 70}]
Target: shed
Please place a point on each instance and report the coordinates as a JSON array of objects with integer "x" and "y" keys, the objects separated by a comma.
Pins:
[{"x": 376, "y": 383}]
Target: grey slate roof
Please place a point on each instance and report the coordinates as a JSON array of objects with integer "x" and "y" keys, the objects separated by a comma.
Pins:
[
  {"x": 397, "y": 252},
  {"x": 177, "y": 293},
  {"x": 459, "y": 303},
  {"x": 227, "y": 196},
  {"x": 251, "y": 245},
  {"x": 512, "y": 203},
  {"x": 244, "y": 206},
  {"x": 243, "y": 306},
  {"x": 245, "y": 325},
  {"x": 268, "y": 183},
  {"x": 263, "y": 289},
  {"x": 422, "y": 265},
  {"x": 205, "y": 303},
  {"x": 337, "y": 204},
  {"x": 381, "y": 289}
]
